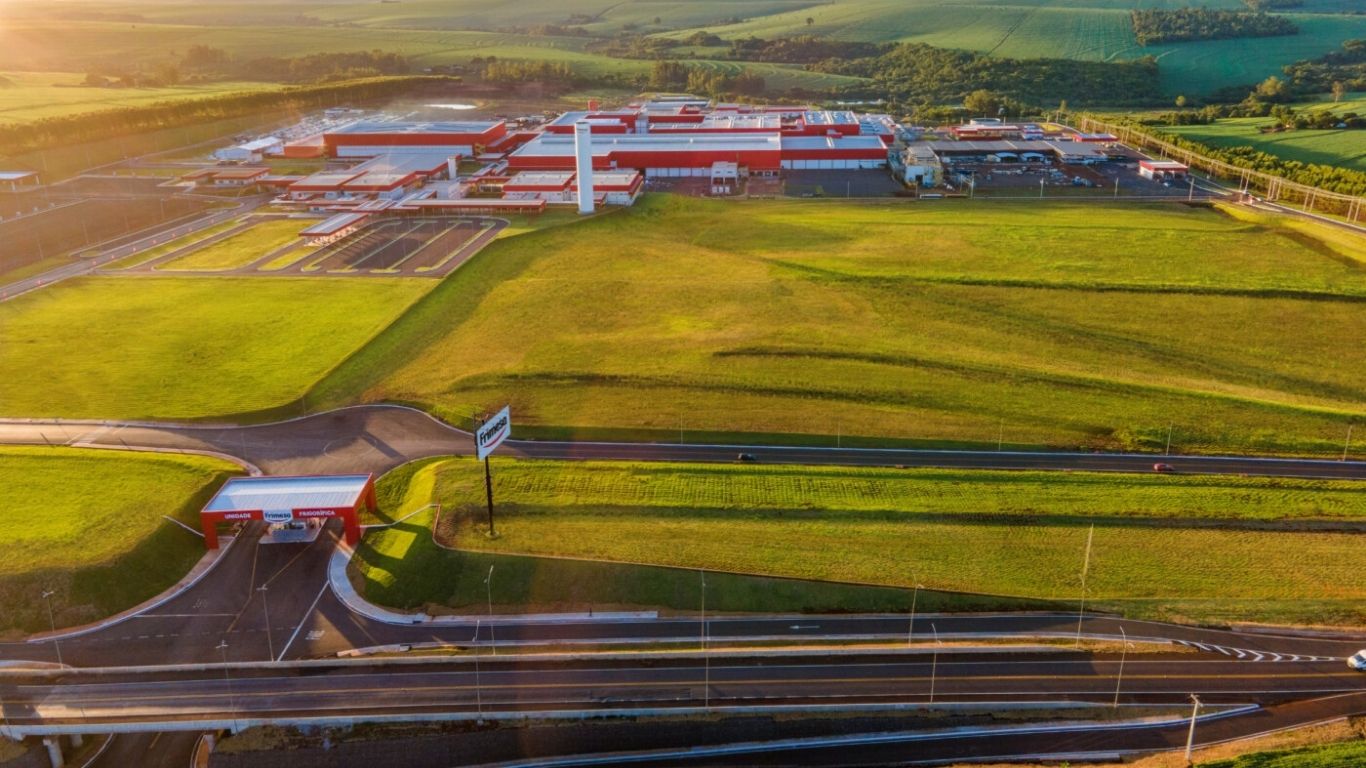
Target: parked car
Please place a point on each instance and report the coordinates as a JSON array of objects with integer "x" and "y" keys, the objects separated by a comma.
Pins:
[
  {"x": 1358, "y": 661},
  {"x": 1159, "y": 467}
]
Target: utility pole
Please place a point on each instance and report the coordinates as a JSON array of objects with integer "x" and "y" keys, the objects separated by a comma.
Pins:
[
  {"x": 57, "y": 644},
  {"x": 1123, "y": 652},
  {"x": 1348, "y": 443},
  {"x": 265, "y": 606},
  {"x": 1190, "y": 736},
  {"x": 1001, "y": 436},
  {"x": 1169, "y": 439},
  {"x": 1085, "y": 566}
]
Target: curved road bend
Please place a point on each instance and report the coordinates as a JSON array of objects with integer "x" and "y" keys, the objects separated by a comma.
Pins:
[{"x": 377, "y": 438}]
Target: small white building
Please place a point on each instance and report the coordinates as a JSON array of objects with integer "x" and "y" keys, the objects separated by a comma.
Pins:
[
  {"x": 251, "y": 151},
  {"x": 922, "y": 166},
  {"x": 17, "y": 181},
  {"x": 1162, "y": 170}
]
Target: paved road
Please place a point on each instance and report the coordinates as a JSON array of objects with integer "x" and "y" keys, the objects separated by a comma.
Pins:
[
  {"x": 378, "y": 438},
  {"x": 200, "y": 698}
]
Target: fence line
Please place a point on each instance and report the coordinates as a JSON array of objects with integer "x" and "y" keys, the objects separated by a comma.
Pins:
[{"x": 1276, "y": 189}]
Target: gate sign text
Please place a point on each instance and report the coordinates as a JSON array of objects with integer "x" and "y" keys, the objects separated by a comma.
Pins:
[{"x": 493, "y": 432}]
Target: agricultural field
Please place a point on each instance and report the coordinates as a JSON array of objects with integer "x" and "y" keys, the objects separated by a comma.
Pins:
[
  {"x": 1163, "y": 546},
  {"x": 88, "y": 525},
  {"x": 433, "y": 32},
  {"x": 29, "y": 96},
  {"x": 1341, "y": 148},
  {"x": 250, "y": 344},
  {"x": 1031, "y": 324},
  {"x": 241, "y": 249}
]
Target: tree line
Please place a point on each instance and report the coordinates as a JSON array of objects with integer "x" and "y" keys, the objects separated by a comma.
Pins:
[
  {"x": 918, "y": 74},
  {"x": 1184, "y": 24},
  {"x": 74, "y": 129},
  {"x": 704, "y": 81}
]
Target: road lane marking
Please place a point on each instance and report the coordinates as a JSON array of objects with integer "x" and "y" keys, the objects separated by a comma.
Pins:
[{"x": 303, "y": 620}]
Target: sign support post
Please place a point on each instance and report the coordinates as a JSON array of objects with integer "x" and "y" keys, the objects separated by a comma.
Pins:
[
  {"x": 488, "y": 491},
  {"x": 489, "y": 435}
]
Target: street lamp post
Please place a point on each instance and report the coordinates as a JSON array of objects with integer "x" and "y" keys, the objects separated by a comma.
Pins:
[
  {"x": 232, "y": 703},
  {"x": 488, "y": 584},
  {"x": 910, "y": 629},
  {"x": 52, "y": 619},
  {"x": 478, "y": 691},
  {"x": 1123, "y": 652},
  {"x": 1190, "y": 736},
  {"x": 706, "y": 657},
  {"x": 265, "y": 606},
  {"x": 934, "y": 662}
]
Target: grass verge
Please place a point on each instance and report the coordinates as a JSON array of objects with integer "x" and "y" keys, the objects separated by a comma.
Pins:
[
  {"x": 1170, "y": 548},
  {"x": 242, "y": 248},
  {"x": 88, "y": 525},
  {"x": 183, "y": 347}
]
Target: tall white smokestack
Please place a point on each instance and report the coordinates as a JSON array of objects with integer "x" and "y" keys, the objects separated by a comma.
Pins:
[{"x": 583, "y": 164}]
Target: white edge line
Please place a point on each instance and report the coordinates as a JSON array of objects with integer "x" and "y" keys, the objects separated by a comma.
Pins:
[{"x": 304, "y": 619}]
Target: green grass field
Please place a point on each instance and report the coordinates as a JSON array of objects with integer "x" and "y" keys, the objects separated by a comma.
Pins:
[
  {"x": 437, "y": 32},
  {"x": 1341, "y": 148},
  {"x": 1175, "y": 547},
  {"x": 182, "y": 347},
  {"x": 1342, "y": 755},
  {"x": 1058, "y": 324},
  {"x": 35, "y": 95},
  {"x": 88, "y": 524},
  {"x": 241, "y": 249}
]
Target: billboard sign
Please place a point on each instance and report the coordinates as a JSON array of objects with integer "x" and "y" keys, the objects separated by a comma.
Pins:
[
  {"x": 277, "y": 515},
  {"x": 493, "y": 432}
]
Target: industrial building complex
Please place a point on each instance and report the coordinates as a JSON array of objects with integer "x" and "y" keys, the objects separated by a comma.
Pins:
[{"x": 383, "y": 165}]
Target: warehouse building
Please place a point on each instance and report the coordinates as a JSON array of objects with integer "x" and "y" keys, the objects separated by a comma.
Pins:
[
  {"x": 371, "y": 138},
  {"x": 251, "y": 151},
  {"x": 678, "y": 154},
  {"x": 1162, "y": 170}
]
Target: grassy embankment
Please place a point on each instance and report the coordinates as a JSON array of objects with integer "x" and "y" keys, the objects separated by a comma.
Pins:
[
  {"x": 1342, "y": 755},
  {"x": 242, "y": 248},
  {"x": 1056, "y": 324},
  {"x": 88, "y": 525},
  {"x": 184, "y": 347},
  {"x": 1342, "y": 148},
  {"x": 1199, "y": 548}
]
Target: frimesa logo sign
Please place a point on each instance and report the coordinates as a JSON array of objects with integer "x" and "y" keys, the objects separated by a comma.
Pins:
[
  {"x": 493, "y": 432},
  {"x": 277, "y": 515}
]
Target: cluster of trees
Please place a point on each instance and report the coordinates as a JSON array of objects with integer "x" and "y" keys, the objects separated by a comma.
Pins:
[
  {"x": 802, "y": 49},
  {"x": 1287, "y": 118},
  {"x": 17, "y": 138},
  {"x": 1161, "y": 26},
  {"x": 510, "y": 71},
  {"x": 1273, "y": 5},
  {"x": 1346, "y": 66},
  {"x": 207, "y": 61},
  {"x": 914, "y": 73},
  {"x": 704, "y": 81}
]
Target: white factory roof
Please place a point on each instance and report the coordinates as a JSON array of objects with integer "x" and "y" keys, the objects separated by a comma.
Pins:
[
  {"x": 387, "y": 126},
  {"x": 548, "y": 145},
  {"x": 826, "y": 117},
  {"x": 279, "y": 493},
  {"x": 405, "y": 163},
  {"x": 541, "y": 179},
  {"x": 259, "y": 144},
  {"x": 835, "y": 142},
  {"x": 16, "y": 175}
]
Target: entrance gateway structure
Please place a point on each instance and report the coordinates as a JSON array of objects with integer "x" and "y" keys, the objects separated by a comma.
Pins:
[{"x": 283, "y": 499}]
